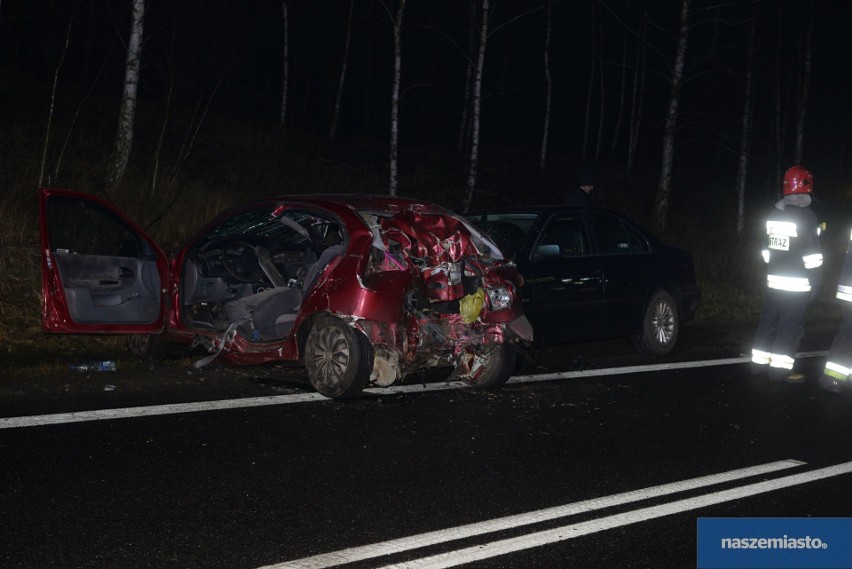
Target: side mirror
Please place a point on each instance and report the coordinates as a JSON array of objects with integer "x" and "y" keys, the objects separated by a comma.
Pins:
[{"x": 543, "y": 251}]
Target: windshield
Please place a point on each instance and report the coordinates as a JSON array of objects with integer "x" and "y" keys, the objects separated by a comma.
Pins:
[
  {"x": 296, "y": 228},
  {"x": 507, "y": 230}
]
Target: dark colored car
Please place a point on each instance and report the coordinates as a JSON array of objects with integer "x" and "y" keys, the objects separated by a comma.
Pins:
[
  {"x": 593, "y": 274},
  {"x": 362, "y": 289}
]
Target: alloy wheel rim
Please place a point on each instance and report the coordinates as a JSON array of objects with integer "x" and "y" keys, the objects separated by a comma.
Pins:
[
  {"x": 331, "y": 357},
  {"x": 662, "y": 322}
]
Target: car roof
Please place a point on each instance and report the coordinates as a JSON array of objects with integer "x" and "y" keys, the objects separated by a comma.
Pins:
[{"x": 545, "y": 208}]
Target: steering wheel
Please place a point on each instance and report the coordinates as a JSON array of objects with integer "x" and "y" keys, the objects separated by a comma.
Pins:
[{"x": 240, "y": 260}]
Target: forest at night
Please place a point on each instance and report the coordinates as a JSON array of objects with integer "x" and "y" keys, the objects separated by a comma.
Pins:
[{"x": 236, "y": 100}]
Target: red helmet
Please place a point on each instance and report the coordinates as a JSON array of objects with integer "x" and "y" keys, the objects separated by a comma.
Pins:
[{"x": 798, "y": 180}]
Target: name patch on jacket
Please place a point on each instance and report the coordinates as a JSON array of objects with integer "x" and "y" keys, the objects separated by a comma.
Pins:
[
  {"x": 779, "y": 242},
  {"x": 779, "y": 234}
]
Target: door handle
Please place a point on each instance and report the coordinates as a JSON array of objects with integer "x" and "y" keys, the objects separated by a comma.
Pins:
[{"x": 125, "y": 273}]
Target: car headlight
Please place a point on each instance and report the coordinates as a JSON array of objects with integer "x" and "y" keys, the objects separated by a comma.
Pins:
[{"x": 499, "y": 298}]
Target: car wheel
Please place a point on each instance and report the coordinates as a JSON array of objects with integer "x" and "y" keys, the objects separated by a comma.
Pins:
[
  {"x": 660, "y": 325},
  {"x": 492, "y": 366},
  {"x": 147, "y": 347},
  {"x": 338, "y": 358}
]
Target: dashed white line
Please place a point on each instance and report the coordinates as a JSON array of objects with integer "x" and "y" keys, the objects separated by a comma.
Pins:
[{"x": 152, "y": 410}]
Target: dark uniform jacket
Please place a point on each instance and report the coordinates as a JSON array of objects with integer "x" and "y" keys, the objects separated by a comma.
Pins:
[{"x": 793, "y": 253}]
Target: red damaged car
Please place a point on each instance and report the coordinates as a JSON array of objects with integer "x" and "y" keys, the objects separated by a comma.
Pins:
[{"x": 363, "y": 290}]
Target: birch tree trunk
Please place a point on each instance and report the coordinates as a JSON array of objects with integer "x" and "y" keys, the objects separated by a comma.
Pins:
[
  {"x": 638, "y": 101},
  {"x": 127, "y": 114},
  {"x": 397, "y": 71},
  {"x": 661, "y": 208},
  {"x": 804, "y": 88},
  {"x": 548, "y": 94},
  {"x": 473, "y": 164},
  {"x": 332, "y": 132},
  {"x": 745, "y": 140},
  {"x": 285, "y": 63}
]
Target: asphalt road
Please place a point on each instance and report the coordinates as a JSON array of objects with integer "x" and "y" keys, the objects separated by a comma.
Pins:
[{"x": 590, "y": 468}]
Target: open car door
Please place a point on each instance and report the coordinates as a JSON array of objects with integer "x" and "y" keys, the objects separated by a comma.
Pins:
[{"x": 100, "y": 273}]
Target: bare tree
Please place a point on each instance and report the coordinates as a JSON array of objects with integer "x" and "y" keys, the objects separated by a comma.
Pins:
[
  {"x": 397, "y": 71},
  {"x": 50, "y": 113},
  {"x": 745, "y": 139},
  {"x": 548, "y": 92},
  {"x": 777, "y": 112},
  {"x": 285, "y": 13},
  {"x": 127, "y": 114},
  {"x": 601, "y": 98},
  {"x": 621, "y": 95},
  {"x": 473, "y": 164},
  {"x": 333, "y": 130},
  {"x": 804, "y": 87},
  {"x": 468, "y": 80},
  {"x": 590, "y": 90},
  {"x": 661, "y": 208},
  {"x": 638, "y": 99}
]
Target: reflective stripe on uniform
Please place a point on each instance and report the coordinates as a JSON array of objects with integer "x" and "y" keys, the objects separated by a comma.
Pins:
[
  {"x": 836, "y": 370},
  {"x": 781, "y": 361},
  {"x": 760, "y": 357},
  {"x": 791, "y": 284},
  {"x": 844, "y": 293},
  {"x": 812, "y": 261},
  {"x": 787, "y": 228}
]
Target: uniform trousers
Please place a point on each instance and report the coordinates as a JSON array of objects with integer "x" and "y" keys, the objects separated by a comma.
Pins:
[
  {"x": 840, "y": 352},
  {"x": 781, "y": 327}
]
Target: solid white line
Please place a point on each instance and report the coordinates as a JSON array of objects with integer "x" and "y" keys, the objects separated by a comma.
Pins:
[
  {"x": 154, "y": 410},
  {"x": 538, "y": 539},
  {"x": 509, "y": 522}
]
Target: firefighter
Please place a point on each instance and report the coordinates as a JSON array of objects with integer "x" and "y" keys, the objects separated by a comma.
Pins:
[
  {"x": 793, "y": 258},
  {"x": 839, "y": 363}
]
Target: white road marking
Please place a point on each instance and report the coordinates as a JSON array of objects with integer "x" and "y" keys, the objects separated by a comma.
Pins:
[
  {"x": 361, "y": 553},
  {"x": 644, "y": 368},
  {"x": 154, "y": 410},
  {"x": 538, "y": 539}
]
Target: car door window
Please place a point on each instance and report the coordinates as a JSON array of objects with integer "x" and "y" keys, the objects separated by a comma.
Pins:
[
  {"x": 109, "y": 273},
  {"x": 638, "y": 243},
  {"x": 563, "y": 237},
  {"x": 611, "y": 237},
  {"x": 86, "y": 228}
]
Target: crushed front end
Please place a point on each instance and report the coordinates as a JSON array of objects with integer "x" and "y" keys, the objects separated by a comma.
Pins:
[{"x": 460, "y": 303}]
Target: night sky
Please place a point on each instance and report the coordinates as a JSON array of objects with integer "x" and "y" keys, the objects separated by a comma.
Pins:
[{"x": 225, "y": 56}]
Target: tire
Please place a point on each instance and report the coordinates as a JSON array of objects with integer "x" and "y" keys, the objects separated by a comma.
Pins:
[
  {"x": 498, "y": 363},
  {"x": 660, "y": 325},
  {"x": 338, "y": 358},
  {"x": 147, "y": 347}
]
